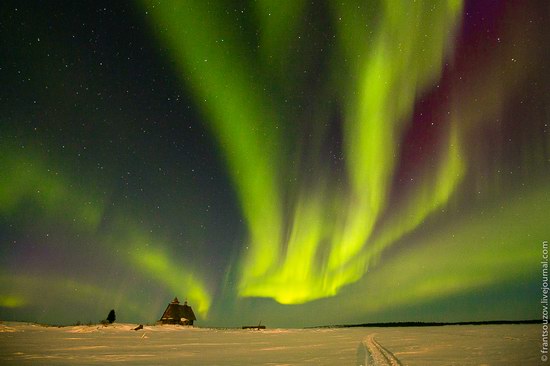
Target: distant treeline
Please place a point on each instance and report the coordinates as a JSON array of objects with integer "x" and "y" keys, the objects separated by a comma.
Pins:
[{"x": 431, "y": 324}]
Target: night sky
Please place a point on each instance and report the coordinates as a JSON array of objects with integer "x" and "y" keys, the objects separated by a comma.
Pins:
[{"x": 290, "y": 162}]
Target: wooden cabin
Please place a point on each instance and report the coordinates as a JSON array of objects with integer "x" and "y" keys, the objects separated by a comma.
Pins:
[{"x": 178, "y": 314}]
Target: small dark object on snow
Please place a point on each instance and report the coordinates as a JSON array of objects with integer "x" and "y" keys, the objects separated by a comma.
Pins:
[
  {"x": 257, "y": 327},
  {"x": 111, "y": 317},
  {"x": 139, "y": 327}
]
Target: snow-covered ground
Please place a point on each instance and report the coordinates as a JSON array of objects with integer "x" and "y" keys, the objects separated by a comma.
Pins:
[{"x": 22, "y": 343}]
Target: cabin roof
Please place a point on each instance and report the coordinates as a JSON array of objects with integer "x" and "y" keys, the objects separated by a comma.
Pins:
[{"x": 175, "y": 311}]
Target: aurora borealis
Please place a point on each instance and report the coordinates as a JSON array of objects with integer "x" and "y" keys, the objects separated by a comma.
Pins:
[{"x": 299, "y": 163}]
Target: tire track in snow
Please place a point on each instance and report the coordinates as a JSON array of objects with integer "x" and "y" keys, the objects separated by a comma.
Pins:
[{"x": 377, "y": 355}]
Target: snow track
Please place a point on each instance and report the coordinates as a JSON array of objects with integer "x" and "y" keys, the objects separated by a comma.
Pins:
[{"x": 377, "y": 355}]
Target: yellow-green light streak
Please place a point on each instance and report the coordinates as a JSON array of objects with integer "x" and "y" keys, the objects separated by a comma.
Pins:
[
  {"x": 155, "y": 261},
  {"x": 402, "y": 58},
  {"x": 12, "y": 301},
  {"x": 28, "y": 179},
  {"x": 214, "y": 60},
  {"x": 470, "y": 254},
  {"x": 328, "y": 231},
  {"x": 432, "y": 194},
  {"x": 33, "y": 186},
  {"x": 158, "y": 265}
]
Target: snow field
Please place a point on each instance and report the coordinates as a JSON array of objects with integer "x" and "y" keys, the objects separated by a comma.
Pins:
[{"x": 22, "y": 343}]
